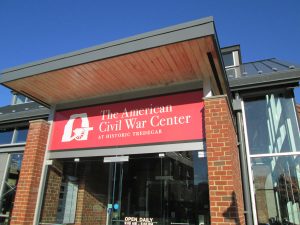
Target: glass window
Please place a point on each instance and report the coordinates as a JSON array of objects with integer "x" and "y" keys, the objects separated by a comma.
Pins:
[
  {"x": 277, "y": 190},
  {"x": 10, "y": 185},
  {"x": 228, "y": 59},
  {"x": 13, "y": 135},
  {"x": 6, "y": 136},
  {"x": 20, "y": 99},
  {"x": 21, "y": 135},
  {"x": 272, "y": 125},
  {"x": 28, "y": 100},
  {"x": 169, "y": 188},
  {"x": 231, "y": 73}
]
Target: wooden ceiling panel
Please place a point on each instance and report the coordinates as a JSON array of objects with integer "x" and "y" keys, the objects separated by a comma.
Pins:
[{"x": 173, "y": 63}]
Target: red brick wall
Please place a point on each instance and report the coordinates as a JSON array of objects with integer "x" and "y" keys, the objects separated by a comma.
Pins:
[
  {"x": 225, "y": 187},
  {"x": 29, "y": 180},
  {"x": 89, "y": 210},
  {"x": 52, "y": 191}
]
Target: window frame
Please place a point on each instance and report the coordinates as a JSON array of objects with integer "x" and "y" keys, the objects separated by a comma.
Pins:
[
  {"x": 6, "y": 173},
  {"x": 235, "y": 57},
  {"x": 264, "y": 155},
  {"x": 14, "y": 137},
  {"x": 15, "y": 98}
]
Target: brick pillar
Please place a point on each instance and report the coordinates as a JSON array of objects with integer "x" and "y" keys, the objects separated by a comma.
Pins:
[
  {"x": 224, "y": 176},
  {"x": 29, "y": 180}
]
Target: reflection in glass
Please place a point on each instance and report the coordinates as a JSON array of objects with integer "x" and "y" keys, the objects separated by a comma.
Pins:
[
  {"x": 277, "y": 194},
  {"x": 272, "y": 124},
  {"x": 167, "y": 188},
  {"x": 21, "y": 135},
  {"x": 20, "y": 99},
  {"x": 228, "y": 59},
  {"x": 8, "y": 194},
  {"x": 6, "y": 136},
  {"x": 231, "y": 73}
]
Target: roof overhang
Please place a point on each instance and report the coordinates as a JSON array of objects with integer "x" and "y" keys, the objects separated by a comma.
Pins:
[
  {"x": 183, "y": 53},
  {"x": 266, "y": 80}
]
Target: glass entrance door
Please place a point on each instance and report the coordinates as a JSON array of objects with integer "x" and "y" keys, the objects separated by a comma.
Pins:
[
  {"x": 115, "y": 189},
  {"x": 147, "y": 189},
  {"x": 167, "y": 188}
]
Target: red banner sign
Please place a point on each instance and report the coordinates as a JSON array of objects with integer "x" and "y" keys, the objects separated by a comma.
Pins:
[{"x": 177, "y": 117}]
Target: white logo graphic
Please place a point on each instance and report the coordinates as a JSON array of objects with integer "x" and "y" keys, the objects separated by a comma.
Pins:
[{"x": 81, "y": 133}]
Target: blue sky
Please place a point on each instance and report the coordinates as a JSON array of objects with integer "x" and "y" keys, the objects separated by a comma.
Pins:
[{"x": 33, "y": 30}]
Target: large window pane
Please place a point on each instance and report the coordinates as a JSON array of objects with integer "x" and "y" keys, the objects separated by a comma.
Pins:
[
  {"x": 20, "y": 99},
  {"x": 21, "y": 135},
  {"x": 10, "y": 185},
  {"x": 6, "y": 136},
  {"x": 277, "y": 194},
  {"x": 272, "y": 124},
  {"x": 228, "y": 59},
  {"x": 169, "y": 188}
]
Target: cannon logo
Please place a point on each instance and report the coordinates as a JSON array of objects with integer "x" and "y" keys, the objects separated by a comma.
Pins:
[{"x": 77, "y": 133}]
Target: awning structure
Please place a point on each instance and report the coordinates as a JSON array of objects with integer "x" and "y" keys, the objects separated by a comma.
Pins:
[{"x": 174, "y": 55}]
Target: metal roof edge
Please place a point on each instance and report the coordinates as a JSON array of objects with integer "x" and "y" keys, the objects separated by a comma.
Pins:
[
  {"x": 259, "y": 80},
  {"x": 20, "y": 107},
  {"x": 223, "y": 71},
  {"x": 24, "y": 115},
  {"x": 231, "y": 48},
  {"x": 181, "y": 32}
]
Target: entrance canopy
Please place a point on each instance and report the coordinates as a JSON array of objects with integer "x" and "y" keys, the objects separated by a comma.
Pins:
[{"x": 183, "y": 53}]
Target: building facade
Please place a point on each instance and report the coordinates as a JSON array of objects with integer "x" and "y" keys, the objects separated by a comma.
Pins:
[{"x": 161, "y": 128}]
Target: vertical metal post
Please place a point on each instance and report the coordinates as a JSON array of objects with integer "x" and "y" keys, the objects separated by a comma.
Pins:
[
  {"x": 110, "y": 193},
  {"x": 5, "y": 174},
  {"x": 244, "y": 168},
  {"x": 250, "y": 174}
]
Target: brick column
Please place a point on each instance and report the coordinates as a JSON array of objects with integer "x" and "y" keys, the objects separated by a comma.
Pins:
[
  {"x": 29, "y": 180},
  {"x": 224, "y": 176}
]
